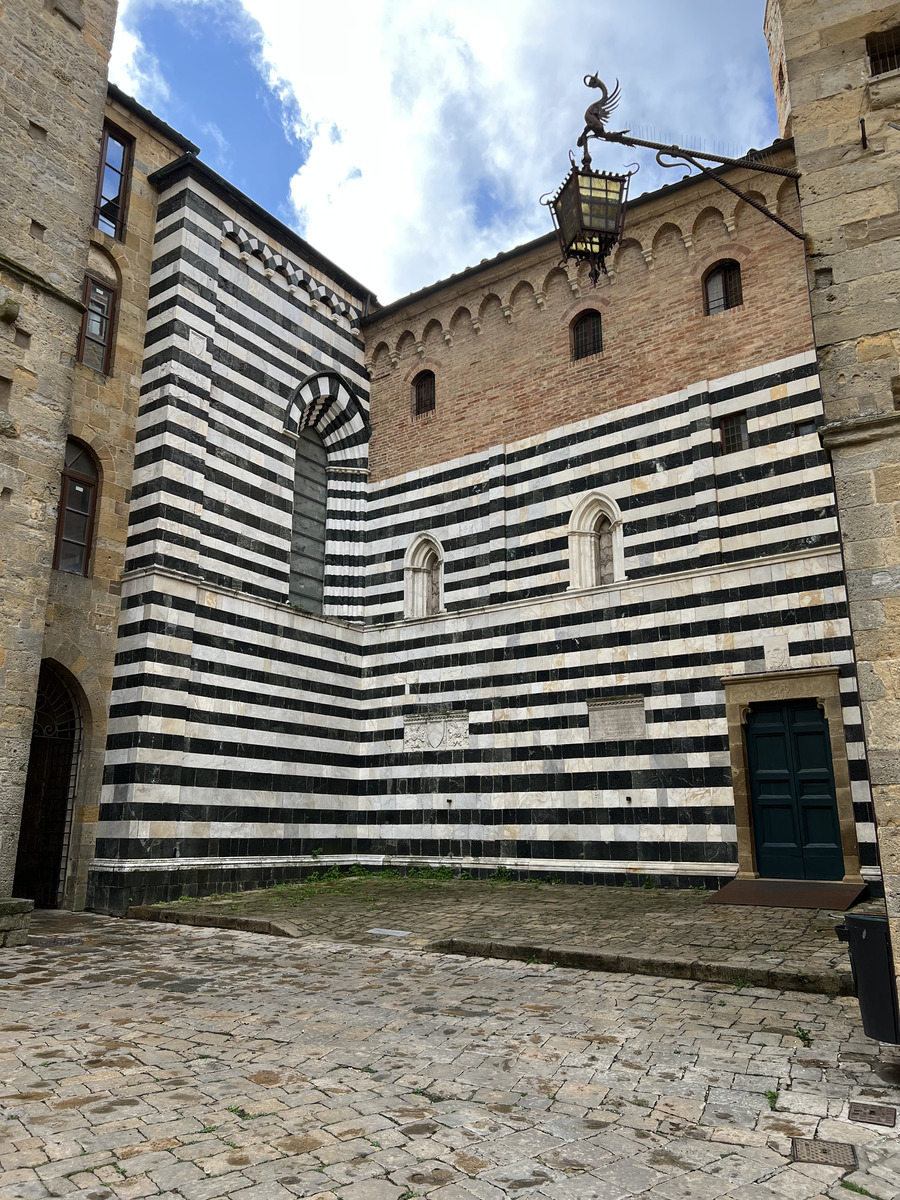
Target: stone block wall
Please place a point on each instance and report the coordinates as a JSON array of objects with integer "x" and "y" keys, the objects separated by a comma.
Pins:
[
  {"x": 849, "y": 158},
  {"x": 83, "y": 611},
  {"x": 52, "y": 93}
]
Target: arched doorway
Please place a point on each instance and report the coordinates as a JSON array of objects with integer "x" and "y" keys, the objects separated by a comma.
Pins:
[{"x": 49, "y": 791}]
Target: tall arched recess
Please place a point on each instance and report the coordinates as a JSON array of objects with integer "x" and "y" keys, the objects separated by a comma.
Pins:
[
  {"x": 327, "y": 417},
  {"x": 307, "y": 578}
]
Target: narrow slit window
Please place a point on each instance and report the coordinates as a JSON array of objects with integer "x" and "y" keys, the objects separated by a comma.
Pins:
[
  {"x": 112, "y": 183},
  {"x": 723, "y": 288},
  {"x": 77, "y": 506},
  {"x": 95, "y": 342}
]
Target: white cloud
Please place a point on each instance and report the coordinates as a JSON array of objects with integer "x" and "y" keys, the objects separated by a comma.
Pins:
[
  {"x": 433, "y": 129},
  {"x": 131, "y": 66}
]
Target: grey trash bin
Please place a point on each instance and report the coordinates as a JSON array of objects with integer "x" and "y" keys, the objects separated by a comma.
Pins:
[{"x": 873, "y": 973}]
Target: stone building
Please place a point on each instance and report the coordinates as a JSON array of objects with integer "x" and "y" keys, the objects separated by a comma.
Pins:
[
  {"x": 77, "y": 218},
  {"x": 520, "y": 613},
  {"x": 836, "y": 67},
  {"x": 556, "y": 597}
]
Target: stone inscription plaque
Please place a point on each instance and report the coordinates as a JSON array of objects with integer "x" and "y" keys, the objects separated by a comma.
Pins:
[{"x": 617, "y": 720}]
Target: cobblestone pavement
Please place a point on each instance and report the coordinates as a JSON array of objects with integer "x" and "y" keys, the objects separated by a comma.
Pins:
[
  {"x": 143, "y": 1059},
  {"x": 659, "y": 924}
]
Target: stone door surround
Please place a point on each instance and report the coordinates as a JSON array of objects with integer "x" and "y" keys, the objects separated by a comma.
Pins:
[{"x": 822, "y": 685}]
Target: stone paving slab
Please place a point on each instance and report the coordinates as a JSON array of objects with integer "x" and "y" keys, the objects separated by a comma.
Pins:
[
  {"x": 152, "y": 1059},
  {"x": 659, "y": 932}
]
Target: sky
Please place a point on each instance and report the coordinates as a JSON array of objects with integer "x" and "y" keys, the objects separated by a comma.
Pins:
[{"x": 408, "y": 139}]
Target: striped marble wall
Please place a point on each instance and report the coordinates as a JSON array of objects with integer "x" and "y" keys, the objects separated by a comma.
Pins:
[{"x": 578, "y": 732}]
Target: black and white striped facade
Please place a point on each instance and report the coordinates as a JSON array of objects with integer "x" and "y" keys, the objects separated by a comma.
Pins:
[{"x": 564, "y": 730}]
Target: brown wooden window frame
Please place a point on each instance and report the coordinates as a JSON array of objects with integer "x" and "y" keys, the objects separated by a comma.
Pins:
[
  {"x": 729, "y": 425},
  {"x": 424, "y": 394},
  {"x": 587, "y": 334},
  {"x": 127, "y": 142},
  {"x": 89, "y": 282},
  {"x": 884, "y": 51},
  {"x": 68, "y": 477},
  {"x": 732, "y": 286}
]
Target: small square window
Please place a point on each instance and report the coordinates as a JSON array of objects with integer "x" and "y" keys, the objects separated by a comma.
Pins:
[
  {"x": 733, "y": 429},
  {"x": 802, "y": 428},
  {"x": 884, "y": 51}
]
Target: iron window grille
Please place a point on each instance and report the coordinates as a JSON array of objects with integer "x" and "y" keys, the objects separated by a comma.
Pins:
[
  {"x": 112, "y": 182},
  {"x": 95, "y": 342},
  {"x": 77, "y": 507},
  {"x": 733, "y": 429},
  {"x": 587, "y": 335},
  {"x": 423, "y": 394},
  {"x": 884, "y": 51},
  {"x": 722, "y": 288}
]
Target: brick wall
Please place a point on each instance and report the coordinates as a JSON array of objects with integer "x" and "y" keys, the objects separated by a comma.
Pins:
[{"x": 499, "y": 343}]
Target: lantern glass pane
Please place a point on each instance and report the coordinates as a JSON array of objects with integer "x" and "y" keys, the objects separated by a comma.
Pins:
[
  {"x": 600, "y": 200},
  {"x": 568, "y": 210}
]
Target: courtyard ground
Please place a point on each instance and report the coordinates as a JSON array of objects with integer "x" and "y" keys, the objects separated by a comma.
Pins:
[
  {"x": 664, "y": 932},
  {"x": 145, "y": 1059}
]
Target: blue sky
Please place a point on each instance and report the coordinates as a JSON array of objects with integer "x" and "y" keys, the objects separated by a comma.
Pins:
[{"x": 407, "y": 140}]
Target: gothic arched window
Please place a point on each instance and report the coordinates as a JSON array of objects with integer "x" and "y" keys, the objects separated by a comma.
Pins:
[
  {"x": 423, "y": 571},
  {"x": 596, "y": 553}
]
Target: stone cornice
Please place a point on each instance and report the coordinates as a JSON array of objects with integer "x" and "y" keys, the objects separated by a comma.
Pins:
[
  {"x": 856, "y": 430},
  {"x": 28, "y": 276}
]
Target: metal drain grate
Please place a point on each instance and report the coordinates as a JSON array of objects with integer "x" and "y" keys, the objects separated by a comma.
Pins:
[
  {"x": 873, "y": 1114},
  {"x": 829, "y": 1154}
]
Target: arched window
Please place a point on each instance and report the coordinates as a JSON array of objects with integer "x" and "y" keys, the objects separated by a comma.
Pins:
[
  {"x": 596, "y": 553},
  {"x": 587, "y": 335},
  {"x": 423, "y": 393},
  {"x": 423, "y": 570},
  {"x": 307, "y": 579},
  {"x": 722, "y": 288},
  {"x": 77, "y": 509}
]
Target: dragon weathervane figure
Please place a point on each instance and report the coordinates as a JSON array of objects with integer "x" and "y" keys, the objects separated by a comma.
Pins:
[
  {"x": 588, "y": 209},
  {"x": 597, "y": 114}
]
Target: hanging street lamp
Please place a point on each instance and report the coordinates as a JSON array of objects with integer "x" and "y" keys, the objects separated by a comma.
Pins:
[{"x": 588, "y": 209}]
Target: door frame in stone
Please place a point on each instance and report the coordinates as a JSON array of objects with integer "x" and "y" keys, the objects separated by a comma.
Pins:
[{"x": 822, "y": 685}]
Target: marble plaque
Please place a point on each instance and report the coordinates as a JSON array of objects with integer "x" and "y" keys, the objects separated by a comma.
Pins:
[
  {"x": 617, "y": 720},
  {"x": 436, "y": 731}
]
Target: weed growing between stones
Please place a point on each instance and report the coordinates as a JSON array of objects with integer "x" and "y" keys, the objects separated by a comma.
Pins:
[{"x": 803, "y": 1035}]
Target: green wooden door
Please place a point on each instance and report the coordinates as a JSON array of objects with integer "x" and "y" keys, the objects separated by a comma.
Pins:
[{"x": 795, "y": 817}]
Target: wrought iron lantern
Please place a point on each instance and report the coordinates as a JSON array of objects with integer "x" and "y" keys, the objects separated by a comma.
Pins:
[{"x": 588, "y": 210}]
